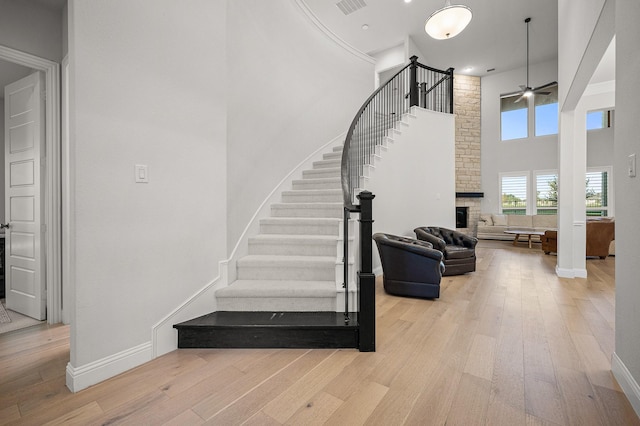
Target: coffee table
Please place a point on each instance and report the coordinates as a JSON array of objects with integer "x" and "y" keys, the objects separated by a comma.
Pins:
[{"x": 518, "y": 232}]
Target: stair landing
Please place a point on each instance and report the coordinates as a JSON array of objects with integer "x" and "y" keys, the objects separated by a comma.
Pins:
[{"x": 310, "y": 330}]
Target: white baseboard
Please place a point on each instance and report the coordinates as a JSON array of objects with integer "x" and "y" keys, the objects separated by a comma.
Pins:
[
  {"x": 164, "y": 337},
  {"x": 626, "y": 382},
  {"x": 571, "y": 273},
  {"x": 82, "y": 377}
]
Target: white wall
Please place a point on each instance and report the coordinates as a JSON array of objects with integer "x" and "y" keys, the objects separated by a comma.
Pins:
[
  {"x": 392, "y": 57},
  {"x": 528, "y": 154},
  {"x": 31, "y": 28},
  {"x": 292, "y": 89},
  {"x": 411, "y": 49},
  {"x": 600, "y": 143},
  {"x": 532, "y": 153},
  {"x": 626, "y": 363},
  {"x": 414, "y": 181},
  {"x": 577, "y": 20},
  {"x": 148, "y": 86},
  {"x": 584, "y": 35}
]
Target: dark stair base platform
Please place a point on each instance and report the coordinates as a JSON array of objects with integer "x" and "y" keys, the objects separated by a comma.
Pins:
[{"x": 311, "y": 330}]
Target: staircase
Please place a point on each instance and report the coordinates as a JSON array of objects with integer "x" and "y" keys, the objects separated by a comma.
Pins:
[
  {"x": 289, "y": 286},
  {"x": 293, "y": 262}
]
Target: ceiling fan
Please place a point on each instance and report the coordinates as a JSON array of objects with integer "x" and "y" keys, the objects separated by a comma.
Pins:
[{"x": 527, "y": 91}]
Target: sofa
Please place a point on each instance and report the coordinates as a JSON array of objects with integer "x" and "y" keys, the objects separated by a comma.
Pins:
[
  {"x": 492, "y": 226},
  {"x": 459, "y": 249},
  {"x": 409, "y": 267}
]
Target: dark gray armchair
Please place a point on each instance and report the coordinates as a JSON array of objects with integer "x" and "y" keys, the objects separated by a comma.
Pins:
[
  {"x": 459, "y": 249},
  {"x": 410, "y": 267}
]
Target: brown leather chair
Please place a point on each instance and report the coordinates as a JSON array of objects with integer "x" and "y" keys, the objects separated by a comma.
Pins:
[
  {"x": 549, "y": 242},
  {"x": 600, "y": 233}
]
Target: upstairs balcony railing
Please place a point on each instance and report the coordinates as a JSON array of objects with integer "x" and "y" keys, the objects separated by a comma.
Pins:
[{"x": 414, "y": 85}]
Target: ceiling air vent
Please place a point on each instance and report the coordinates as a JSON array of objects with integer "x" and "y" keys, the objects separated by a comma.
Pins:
[{"x": 349, "y": 6}]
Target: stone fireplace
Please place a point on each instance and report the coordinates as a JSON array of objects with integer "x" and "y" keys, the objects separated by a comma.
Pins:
[{"x": 466, "y": 96}]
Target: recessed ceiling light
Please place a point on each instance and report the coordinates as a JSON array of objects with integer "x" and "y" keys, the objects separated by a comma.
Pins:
[
  {"x": 407, "y": 1},
  {"x": 468, "y": 69},
  {"x": 365, "y": 27}
]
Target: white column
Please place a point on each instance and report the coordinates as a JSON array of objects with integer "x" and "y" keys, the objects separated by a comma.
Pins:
[
  {"x": 572, "y": 160},
  {"x": 571, "y": 150}
]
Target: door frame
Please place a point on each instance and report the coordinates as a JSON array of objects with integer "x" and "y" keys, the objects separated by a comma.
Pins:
[{"x": 52, "y": 187}]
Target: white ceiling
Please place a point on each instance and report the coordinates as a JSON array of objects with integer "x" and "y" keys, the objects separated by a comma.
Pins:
[{"x": 495, "y": 38}]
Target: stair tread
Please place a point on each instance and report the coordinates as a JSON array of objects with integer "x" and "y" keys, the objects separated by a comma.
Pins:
[
  {"x": 319, "y": 180},
  {"x": 324, "y": 169},
  {"x": 311, "y": 220},
  {"x": 309, "y": 204},
  {"x": 314, "y": 191},
  {"x": 272, "y": 319},
  {"x": 288, "y": 257},
  {"x": 298, "y": 237},
  {"x": 278, "y": 288}
]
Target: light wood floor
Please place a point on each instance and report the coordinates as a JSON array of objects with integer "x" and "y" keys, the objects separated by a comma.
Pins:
[{"x": 510, "y": 344}]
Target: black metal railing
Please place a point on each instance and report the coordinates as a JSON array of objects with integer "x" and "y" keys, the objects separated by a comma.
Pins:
[{"x": 414, "y": 85}]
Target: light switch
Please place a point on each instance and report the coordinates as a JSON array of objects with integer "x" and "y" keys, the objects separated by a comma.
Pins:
[
  {"x": 632, "y": 165},
  {"x": 142, "y": 173}
]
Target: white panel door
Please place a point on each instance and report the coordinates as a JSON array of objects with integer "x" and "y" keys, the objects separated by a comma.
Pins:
[{"x": 23, "y": 158}]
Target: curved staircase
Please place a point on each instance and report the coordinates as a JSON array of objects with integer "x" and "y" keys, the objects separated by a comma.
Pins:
[
  {"x": 293, "y": 262},
  {"x": 289, "y": 286}
]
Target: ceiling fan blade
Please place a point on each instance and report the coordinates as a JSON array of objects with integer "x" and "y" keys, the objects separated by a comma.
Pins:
[
  {"x": 541, "y": 93},
  {"x": 519, "y": 99},
  {"x": 506, "y": 95},
  {"x": 523, "y": 88},
  {"x": 544, "y": 86}
]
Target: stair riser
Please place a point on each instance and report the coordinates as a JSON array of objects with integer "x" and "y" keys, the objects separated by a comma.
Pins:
[
  {"x": 289, "y": 249},
  {"x": 302, "y": 184},
  {"x": 299, "y": 229},
  {"x": 335, "y": 212},
  {"x": 264, "y": 337},
  {"x": 282, "y": 304},
  {"x": 332, "y": 156},
  {"x": 326, "y": 164},
  {"x": 316, "y": 198},
  {"x": 282, "y": 272},
  {"x": 321, "y": 173}
]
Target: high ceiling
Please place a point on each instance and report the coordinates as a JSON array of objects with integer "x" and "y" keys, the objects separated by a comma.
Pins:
[{"x": 495, "y": 38}]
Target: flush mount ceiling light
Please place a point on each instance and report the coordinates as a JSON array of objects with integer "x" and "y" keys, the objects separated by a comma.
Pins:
[{"x": 448, "y": 22}]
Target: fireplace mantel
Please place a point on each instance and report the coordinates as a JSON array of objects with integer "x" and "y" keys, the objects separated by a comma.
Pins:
[{"x": 469, "y": 194}]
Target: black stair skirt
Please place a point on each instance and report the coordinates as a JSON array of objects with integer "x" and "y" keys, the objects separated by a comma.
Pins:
[{"x": 312, "y": 330}]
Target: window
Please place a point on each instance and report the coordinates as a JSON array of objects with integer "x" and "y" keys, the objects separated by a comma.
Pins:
[
  {"x": 514, "y": 117},
  {"x": 513, "y": 190},
  {"x": 598, "y": 120},
  {"x": 546, "y": 112},
  {"x": 546, "y": 192},
  {"x": 598, "y": 190}
]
